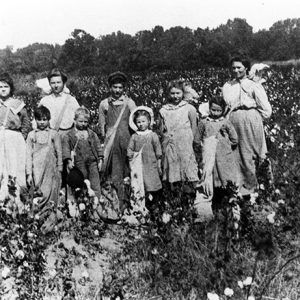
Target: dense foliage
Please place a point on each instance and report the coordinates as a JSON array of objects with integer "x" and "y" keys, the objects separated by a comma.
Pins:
[{"x": 158, "y": 49}]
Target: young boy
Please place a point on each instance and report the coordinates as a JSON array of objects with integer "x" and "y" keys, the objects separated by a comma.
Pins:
[
  {"x": 82, "y": 148},
  {"x": 114, "y": 113}
]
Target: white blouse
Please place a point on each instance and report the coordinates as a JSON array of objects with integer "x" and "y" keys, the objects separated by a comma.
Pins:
[
  {"x": 55, "y": 104},
  {"x": 247, "y": 93}
]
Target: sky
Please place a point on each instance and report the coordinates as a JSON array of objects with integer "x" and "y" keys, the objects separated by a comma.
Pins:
[{"x": 24, "y": 22}]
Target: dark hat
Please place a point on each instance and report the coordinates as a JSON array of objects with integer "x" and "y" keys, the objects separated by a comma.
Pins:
[
  {"x": 57, "y": 72},
  {"x": 4, "y": 77},
  {"x": 75, "y": 178},
  {"x": 116, "y": 77}
]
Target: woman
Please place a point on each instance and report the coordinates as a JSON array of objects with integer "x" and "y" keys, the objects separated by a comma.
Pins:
[
  {"x": 61, "y": 104},
  {"x": 248, "y": 105},
  {"x": 14, "y": 127}
]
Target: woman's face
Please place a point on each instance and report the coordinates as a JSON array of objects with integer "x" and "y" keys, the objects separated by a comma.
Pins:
[
  {"x": 239, "y": 70},
  {"x": 4, "y": 90},
  {"x": 175, "y": 95},
  {"x": 56, "y": 84}
]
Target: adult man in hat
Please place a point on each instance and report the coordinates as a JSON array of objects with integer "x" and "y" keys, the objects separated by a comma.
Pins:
[{"x": 114, "y": 113}]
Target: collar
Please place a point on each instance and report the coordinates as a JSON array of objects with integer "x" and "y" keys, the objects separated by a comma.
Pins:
[
  {"x": 46, "y": 129},
  {"x": 143, "y": 132},
  {"x": 215, "y": 120},
  {"x": 170, "y": 106}
]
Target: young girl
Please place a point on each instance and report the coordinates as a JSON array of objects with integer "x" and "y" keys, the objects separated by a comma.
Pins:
[
  {"x": 217, "y": 136},
  {"x": 146, "y": 143},
  {"x": 14, "y": 127},
  {"x": 178, "y": 124},
  {"x": 44, "y": 160}
]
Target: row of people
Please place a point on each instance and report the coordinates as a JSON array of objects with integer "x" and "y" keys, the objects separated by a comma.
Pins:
[{"x": 245, "y": 105}]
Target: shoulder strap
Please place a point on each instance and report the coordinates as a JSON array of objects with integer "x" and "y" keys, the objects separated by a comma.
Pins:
[{"x": 59, "y": 119}]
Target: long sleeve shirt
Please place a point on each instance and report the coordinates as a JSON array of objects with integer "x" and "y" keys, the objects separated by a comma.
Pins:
[{"x": 248, "y": 94}]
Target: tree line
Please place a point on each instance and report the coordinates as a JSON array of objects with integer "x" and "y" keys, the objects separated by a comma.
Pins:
[{"x": 157, "y": 49}]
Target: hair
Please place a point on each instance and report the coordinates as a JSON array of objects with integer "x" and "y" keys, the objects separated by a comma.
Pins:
[
  {"x": 218, "y": 100},
  {"x": 242, "y": 59},
  {"x": 57, "y": 72},
  {"x": 82, "y": 111},
  {"x": 140, "y": 113},
  {"x": 41, "y": 112},
  {"x": 4, "y": 77},
  {"x": 178, "y": 84}
]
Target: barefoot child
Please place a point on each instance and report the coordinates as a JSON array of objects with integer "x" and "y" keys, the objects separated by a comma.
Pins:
[
  {"x": 82, "y": 149},
  {"x": 44, "y": 160},
  {"x": 144, "y": 153}
]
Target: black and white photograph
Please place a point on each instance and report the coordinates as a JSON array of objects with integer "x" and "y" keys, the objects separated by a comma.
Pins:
[{"x": 150, "y": 150}]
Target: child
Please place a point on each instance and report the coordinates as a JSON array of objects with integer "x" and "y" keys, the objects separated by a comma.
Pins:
[
  {"x": 44, "y": 159},
  {"x": 82, "y": 149},
  {"x": 14, "y": 127},
  {"x": 114, "y": 113},
  {"x": 217, "y": 136},
  {"x": 146, "y": 143},
  {"x": 178, "y": 124}
]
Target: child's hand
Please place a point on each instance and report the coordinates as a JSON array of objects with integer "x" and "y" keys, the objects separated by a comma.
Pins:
[
  {"x": 70, "y": 165},
  {"x": 29, "y": 180}
]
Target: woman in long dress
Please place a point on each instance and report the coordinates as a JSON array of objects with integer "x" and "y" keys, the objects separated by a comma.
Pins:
[
  {"x": 248, "y": 106},
  {"x": 14, "y": 127}
]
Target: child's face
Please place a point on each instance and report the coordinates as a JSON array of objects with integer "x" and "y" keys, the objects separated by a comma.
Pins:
[
  {"x": 4, "y": 90},
  {"x": 81, "y": 122},
  {"x": 215, "y": 110},
  {"x": 175, "y": 95},
  {"x": 142, "y": 123},
  {"x": 42, "y": 123},
  {"x": 117, "y": 90}
]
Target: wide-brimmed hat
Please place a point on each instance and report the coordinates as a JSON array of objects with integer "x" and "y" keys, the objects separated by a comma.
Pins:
[
  {"x": 131, "y": 117},
  {"x": 117, "y": 77}
]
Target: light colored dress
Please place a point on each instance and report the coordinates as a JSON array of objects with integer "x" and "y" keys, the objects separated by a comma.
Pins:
[
  {"x": 225, "y": 167},
  {"x": 13, "y": 122},
  {"x": 149, "y": 145},
  {"x": 248, "y": 104},
  {"x": 178, "y": 127},
  {"x": 44, "y": 163}
]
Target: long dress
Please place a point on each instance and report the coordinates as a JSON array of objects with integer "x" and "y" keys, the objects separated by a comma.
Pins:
[
  {"x": 178, "y": 126},
  {"x": 225, "y": 167},
  {"x": 248, "y": 104},
  {"x": 150, "y": 148},
  {"x": 44, "y": 163},
  {"x": 14, "y": 125}
]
